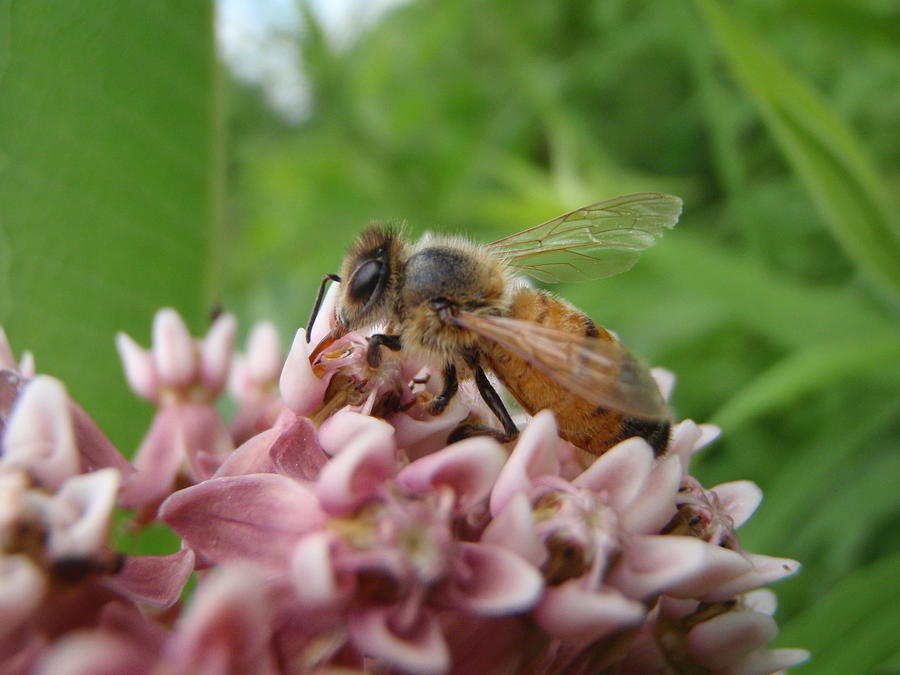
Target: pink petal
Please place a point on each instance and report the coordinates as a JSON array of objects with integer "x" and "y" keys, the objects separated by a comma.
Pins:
[
  {"x": 739, "y": 499},
  {"x": 300, "y": 389},
  {"x": 534, "y": 456},
  {"x": 251, "y": 457},
  {"x": 420, "y": 437},
  {"x": 761, "y": 600},
  {"x": 490, "y": 580},
  {"x": 315, "y": 580},
  {"x": 174, "y": 352},
  {"x": 154, "y": 580},
  {"x": 620, "y": 473},
  {"x": 26, "y": 365},
  {"x": 297, "y": 453},
  {"x": 258, "y": 517},
  {"x": 204, "y": 436},
  {"x": 680, "y": 566},
  {"x": 39, "y": 435},
  {"x": 356, "y": 474},
  {"x": 765, "y": 570},
  {"x": 22, "y": 587},
  {"x": 94, "y": 448},
  {"x": 140, "y": 370},
  {"x": 342, "y": 428},
  {"x": 469, "y": 468},
  {"x": 423, "y": 651},
  {"x": 80, "y": 513},
  {"x": 226, "y": 627},
  {"x": 655, "y": 505},
  {"x": 157, "y": 461},
  {"x": 683, "y": 439},
  {"x": 94, "y": 654},
  {"x": 216, "y": 351},
  {"x": 325, "y": 319},
  {"x": 7, "y": 358},
  {"x": 765, "y": 661},
  {"x": 569, "y": 611},
  {"x": 514, "y": 529},
  {"x": 264, "y": 360},
  {"x": 720, "y": 641},
  {"x": 665, "y": 380}
]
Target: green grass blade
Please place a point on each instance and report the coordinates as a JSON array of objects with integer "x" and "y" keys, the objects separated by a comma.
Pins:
[
  {"x": 805, "y": 370},
  {"x": 109, "y": 174},
  {"x": 853, "y": 628},
  {"x": 836, "y": 170}
]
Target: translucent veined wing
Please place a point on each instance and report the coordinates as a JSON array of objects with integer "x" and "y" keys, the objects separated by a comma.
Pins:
[
  {"x": 595, "y": 241},
  {"x": 602, "y": 372}
]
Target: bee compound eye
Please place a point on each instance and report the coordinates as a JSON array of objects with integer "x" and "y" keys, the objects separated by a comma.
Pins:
[{"x": 365, "y": 280}]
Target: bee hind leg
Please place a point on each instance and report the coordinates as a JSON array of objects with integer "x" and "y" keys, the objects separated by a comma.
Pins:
[{"x": 495, "y": 403}]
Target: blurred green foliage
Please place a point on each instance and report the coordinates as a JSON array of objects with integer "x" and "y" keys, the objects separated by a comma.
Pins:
[
  {"x": 109, "y": 175},
  {"x": 775, "y": 300}
]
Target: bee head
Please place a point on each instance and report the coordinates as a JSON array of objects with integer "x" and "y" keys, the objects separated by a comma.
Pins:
[{"x": 368, "y": 278}]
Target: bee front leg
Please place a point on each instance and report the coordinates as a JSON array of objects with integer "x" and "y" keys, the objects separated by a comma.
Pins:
[
  {"x": 373, "y": 351},
  {"x": 451, "y": 385},
  {"x": 495, "y": 403}
]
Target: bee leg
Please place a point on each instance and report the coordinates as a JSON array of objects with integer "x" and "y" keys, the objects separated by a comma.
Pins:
[
  {"x": 495, "y": 403},
  {"x": 451, "y": 384},
  {"x": 373, "y": 351}
]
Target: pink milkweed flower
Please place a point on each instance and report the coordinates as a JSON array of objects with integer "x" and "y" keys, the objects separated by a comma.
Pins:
[
  {"x": 369, "y": 543},
  {"x": 609, "y": 543},
  {"x": 253, "y": 382},
  {"x": 182, "y": 377}
]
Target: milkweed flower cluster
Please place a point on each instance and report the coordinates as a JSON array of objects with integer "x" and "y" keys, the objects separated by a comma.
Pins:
[{"x": 331, "y": 529}]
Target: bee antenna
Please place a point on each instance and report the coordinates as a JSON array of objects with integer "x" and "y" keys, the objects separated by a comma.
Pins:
[{"x": 318, "y": 303}]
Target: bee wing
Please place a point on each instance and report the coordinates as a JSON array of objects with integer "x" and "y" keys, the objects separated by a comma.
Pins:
[
  {"x": 602, "y": 372},
  {"x": 594, "y": 241}
]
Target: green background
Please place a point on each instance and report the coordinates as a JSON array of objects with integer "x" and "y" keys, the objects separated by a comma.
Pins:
[{"x": 136, "y": 173}]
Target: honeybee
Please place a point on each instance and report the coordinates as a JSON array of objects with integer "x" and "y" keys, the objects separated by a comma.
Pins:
[{"x": 462, "y": 308}]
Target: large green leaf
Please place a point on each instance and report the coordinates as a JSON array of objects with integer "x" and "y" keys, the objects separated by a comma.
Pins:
[
  {"x": 833, "y": 165},
  {"x": 109, "y": 181}
]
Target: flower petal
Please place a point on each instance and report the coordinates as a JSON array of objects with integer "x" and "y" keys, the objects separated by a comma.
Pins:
[
  {"x": 139, "y": 367},
  {"x": 514, "y": 529},
  {"x": 22, "y": 587},
  {"x": 490, "y": 580},
  {"x": 355, "y": 474},
  {"x": 469, "y": 468},
  {"x": 216, "y": 352},
  {"x": 39, "y": 436},
  {"x": 257, "y": 517},
  {"x": 680, "y": 566},
  {"x": 534, "y": 456},
  {"x": 173, "y": 349},
  {"x": 765, "y": 570},
  {"x": 93, "y": 653},
  {"x": 315, "y": 580},
  {"x": 80, "y": 514},
  {"x": 569, "y": 611},
  {"x": 342, "y": 428},
  {"x": 300, "y": 388},
  {"x": 739, "y": 499},
  {"x": 620, "y": 472},
  {"x": 423, "y": 650},
  {"x": 297, "y": 453},
  {"x": 765, "y": 661},
  {"x": 264, "y": 360},
  {"x": 226, "y": 627},
  {"x": 720, "y": 641},
  {"x": 155, "y": 580},
  {"x": 655, "y": 505}
]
